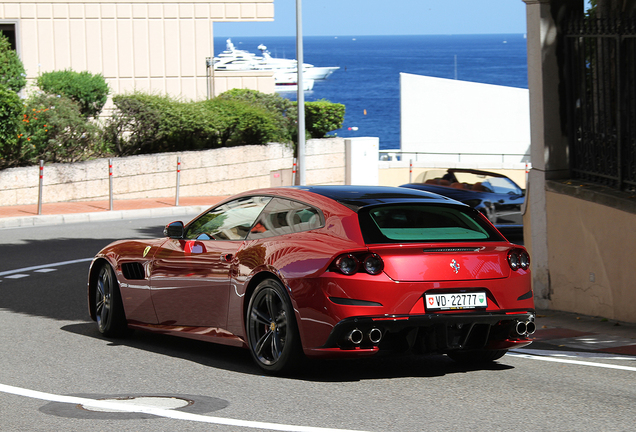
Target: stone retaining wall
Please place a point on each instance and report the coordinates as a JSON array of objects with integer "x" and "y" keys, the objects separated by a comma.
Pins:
[{"x": 217, "y": 172}]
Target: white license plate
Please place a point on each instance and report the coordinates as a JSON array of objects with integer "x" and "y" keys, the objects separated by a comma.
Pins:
[{"x": 472, "y": 300}]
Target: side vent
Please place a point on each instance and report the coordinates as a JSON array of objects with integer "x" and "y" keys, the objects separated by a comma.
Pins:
[{"x": 133, "y": 271}]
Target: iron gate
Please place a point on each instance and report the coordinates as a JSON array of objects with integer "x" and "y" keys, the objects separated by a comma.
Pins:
[{"x": 600, "y": 78}]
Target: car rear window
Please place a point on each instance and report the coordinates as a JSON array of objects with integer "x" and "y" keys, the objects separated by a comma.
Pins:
[{"x": 424, "y": 223}]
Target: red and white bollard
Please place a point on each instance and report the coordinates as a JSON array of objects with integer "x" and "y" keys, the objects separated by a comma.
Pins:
[
  {"x": 176, "y": 200},
  {"x": 110, "y": 184},
  {"x": 41, "y": 187}
]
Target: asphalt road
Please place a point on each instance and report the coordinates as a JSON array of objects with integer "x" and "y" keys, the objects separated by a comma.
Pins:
[{"x": 54, "y": 365}]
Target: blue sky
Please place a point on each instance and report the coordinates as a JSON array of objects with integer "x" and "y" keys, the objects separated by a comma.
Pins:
[{"x": 386, "y": 17}]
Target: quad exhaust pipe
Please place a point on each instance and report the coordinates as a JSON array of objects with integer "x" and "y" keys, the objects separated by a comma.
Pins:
[
  {"x": 525, "y": 328},
  {"x": 375, "y": 335},
  {"x": 356, "y": 336}
]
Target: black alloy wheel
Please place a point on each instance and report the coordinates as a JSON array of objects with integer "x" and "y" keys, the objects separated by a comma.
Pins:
[
  {"x": 271, "y": 328},
  {"x": 109, "y": 309}
]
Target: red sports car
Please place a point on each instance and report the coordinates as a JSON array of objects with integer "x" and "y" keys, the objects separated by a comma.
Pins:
[{"x": 323, "y": 271}]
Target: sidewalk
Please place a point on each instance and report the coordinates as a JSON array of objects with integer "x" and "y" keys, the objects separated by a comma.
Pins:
[
  {"x": 556, "y": 331},
  {"x": 91, "y": 211},
  {"x": 566, "y": 331}
]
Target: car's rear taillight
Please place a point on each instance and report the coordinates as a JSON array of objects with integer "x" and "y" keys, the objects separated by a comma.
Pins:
[
  {"x": 518, "y": 259},
  {"x": 373, "y": 264},
  {"x": 350, "y": 264},
  {"x": 347, "y": 264}
]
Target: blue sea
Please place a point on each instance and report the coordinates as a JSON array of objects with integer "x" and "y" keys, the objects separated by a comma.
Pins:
[{"x": 368, "y": 81}]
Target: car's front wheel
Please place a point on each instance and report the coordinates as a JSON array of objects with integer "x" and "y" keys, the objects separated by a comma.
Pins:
[
  {"x": 109, "y": 309},
  {"x": 476, "y": 356},
  {"x": 271, "y": 328}
]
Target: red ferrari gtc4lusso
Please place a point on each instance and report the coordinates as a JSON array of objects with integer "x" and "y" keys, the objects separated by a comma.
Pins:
[{"x": 323, "y": 271}]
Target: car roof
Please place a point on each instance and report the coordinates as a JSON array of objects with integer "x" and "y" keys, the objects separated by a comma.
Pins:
[{"x": 356, "y": 197}]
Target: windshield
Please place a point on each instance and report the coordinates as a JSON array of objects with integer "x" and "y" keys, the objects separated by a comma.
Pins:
[
  {"x": 476, "y": 181},
  {"x": 424, "y": 223}
]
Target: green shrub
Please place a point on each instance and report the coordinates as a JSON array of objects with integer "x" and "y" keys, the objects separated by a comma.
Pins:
[
  {"x": 88, "y": 90},
  {"x": 134, "y": 125},
  {"x": 54, "y": 130},
  {"x": 271, "y": 102},
  {"x": 12, "y": 74},
  {"x": 322, "y": 117},
  {"x": 280, "y": 109},
  {"x": 11, "y": 111},
  {"x": 143, "y": 123},
  {"x": 240, "y": 123}
]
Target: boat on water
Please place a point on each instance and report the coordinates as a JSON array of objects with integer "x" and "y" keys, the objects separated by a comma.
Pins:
[
  {"x": 288, "y": 82},
  {"x": 310, "y": 71},
  {"x": 285, "y": 70}
]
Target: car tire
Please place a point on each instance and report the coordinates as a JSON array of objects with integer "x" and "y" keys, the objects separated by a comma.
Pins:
[
  {"x": 476, "y": 356},
  {"x": 109, "y": 309},
  {"x": 272, "y": 333}
]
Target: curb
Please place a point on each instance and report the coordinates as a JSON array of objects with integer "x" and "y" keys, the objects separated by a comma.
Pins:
[{"x": 48, "y": 220}]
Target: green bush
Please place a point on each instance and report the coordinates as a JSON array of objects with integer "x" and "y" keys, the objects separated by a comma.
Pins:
[
  {"x": 88, "y": 90},
  {"x": 143, "y": 123},
  {"x": 134, "y": 125},
  {"x": 270, "y": 102},
  {"x": 54, "y": 130},
  {"x": 12, "y": 74},
  {"x": 11, "y": 111},
  {"x": 239, "y": 122},
  {"x": 280, "y": 108},
  {"x": 322, "y": 117}
]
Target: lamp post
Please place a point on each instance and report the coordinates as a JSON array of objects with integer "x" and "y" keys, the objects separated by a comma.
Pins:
[{"x": 301, "y": 93}]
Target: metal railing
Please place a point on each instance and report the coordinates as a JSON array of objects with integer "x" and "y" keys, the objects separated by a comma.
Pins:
[{"x": 399, "y": 155}]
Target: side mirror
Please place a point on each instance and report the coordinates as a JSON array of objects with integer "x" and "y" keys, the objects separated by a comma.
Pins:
[{"x": 174, "y": 230}]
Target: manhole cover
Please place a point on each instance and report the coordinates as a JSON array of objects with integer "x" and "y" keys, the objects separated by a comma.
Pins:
[
  {"x": 97, "y": 405},
  {"x": 142, "y": 401}
]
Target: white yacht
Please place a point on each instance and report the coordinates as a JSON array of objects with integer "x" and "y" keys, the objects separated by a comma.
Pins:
[
  {"x": 288, "y": 82},
  {"x": 233, "y": 59}
]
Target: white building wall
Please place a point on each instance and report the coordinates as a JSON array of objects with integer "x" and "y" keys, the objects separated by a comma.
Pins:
[
  {"x": 136, "y": 45},
  {"x": 453, "y": 117},
  {"x": 362, "y": 156}
]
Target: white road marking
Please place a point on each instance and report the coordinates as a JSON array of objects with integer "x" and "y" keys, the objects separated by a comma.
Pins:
[
  {"x": 160, "y": 412},
  {"x": 46, "y": 270},
  {"x": 44, "y": 266},
  {"x": 17, "y": 276},
  {"x": 574, "y": 354},
  {"x": 574, "y": 362}
]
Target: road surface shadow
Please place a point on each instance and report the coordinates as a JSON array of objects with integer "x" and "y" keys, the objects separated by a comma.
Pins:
[{"x": 239, "y": 360}]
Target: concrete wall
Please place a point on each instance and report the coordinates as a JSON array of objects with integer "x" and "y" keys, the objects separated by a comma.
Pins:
[
  {"x": 581, "y": 237},
  {"x": 590, "y": 260},
  {"x": 136, "y": 45},
  {"x": 450, "y": 116},
  {"x": 217, "y": 172}
]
